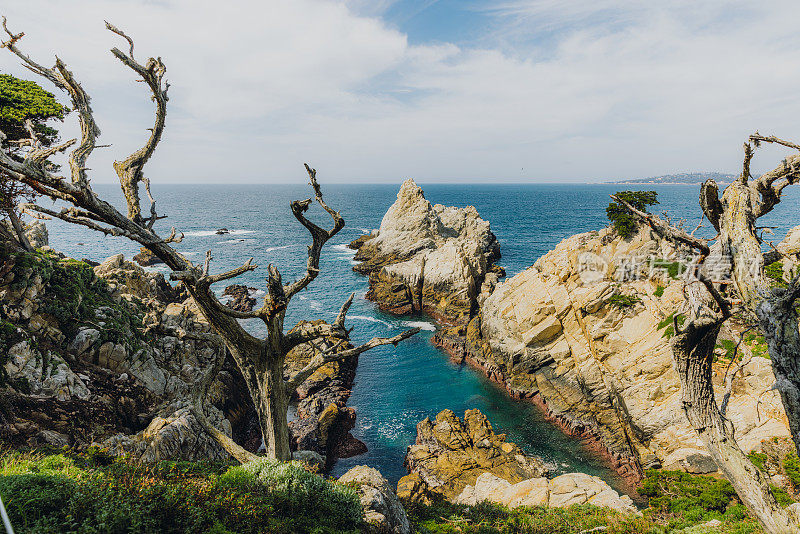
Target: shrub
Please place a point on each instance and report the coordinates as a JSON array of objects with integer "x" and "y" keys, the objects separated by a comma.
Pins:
[
  {"x": 623, "y": 222},
  {"x": 659, "y": 292},
  {"x": 677, "y": 491},
  {"x": 91, "y": 493},
  {"x": 297, "y": 490},
  {"x": 791, "y": 466},
  {"x": 623, "y": 301},
  {"x": 774, "y": 271}
]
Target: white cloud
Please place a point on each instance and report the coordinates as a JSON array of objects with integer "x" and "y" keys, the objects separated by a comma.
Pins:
[{"x": 568, "y": 90}]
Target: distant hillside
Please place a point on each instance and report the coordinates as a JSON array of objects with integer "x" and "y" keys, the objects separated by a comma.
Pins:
[{"x": 682, "y": 178}]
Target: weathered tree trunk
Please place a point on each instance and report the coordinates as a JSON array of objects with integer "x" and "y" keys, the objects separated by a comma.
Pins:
[
  {"x": 774, "y": 312},
  {"x": 260, "y": 360},
  {"x": 272, "y": 411},
  {"x": 19, "y": 230},
  {"x": 693, "y": 355}
]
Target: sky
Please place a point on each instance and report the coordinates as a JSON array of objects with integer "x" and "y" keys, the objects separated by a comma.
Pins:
[{"x": 440, "y": 91}]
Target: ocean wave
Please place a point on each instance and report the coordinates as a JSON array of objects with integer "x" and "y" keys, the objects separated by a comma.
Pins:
[
  {"x": 424, "y": 325},
  {"x": 232, "y": 241},
  {"x": 370, "y": 319},
  {"x": 206, "y": 233},
  {"x": 270, "y": 249},
  {"x": 343, "y": 247}
]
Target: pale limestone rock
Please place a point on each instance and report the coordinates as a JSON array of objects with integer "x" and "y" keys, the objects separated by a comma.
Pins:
[
  {"x": 441, "y": 254},
  {"x": 382, "y": 509},
  {"x": 561, "y": 492},
  {"x": 606, "y": 365}
]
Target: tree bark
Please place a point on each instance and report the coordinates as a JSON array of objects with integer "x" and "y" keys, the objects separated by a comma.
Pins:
[
  {"x": 776, "y": 315},
  {"x": 693, "y": 355}
]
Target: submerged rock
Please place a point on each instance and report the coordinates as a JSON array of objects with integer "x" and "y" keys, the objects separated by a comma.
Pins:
[
  {"x": 428, "y": 258},
  {"x": 451, "y": 454}
]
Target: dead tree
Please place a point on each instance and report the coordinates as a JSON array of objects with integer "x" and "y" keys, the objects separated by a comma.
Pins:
[
  {"x": 739, "y": 248},
  {"x": 261, "y": 360}
]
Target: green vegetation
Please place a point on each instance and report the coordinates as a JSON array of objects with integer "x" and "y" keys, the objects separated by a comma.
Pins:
[
  {"x": 21, "y": 100},
  {"x": 621, "y": 219},
  {"x": 90, "y": 493},
  {"x": 668, "y": 324},
  {"x": 659, "y": 292},
  {"x": 673, "y": 268},
  {"x": 624, "y": 301},
  {"x": 679, "y": 500},
  {"x": 791, "y": 466},
  {"x": 759, "y": 459},
  {"x": 774, "y": 271},
  {"x": 73, "y": 295}
]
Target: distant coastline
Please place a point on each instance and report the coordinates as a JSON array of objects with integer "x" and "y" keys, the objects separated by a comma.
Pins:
[{"x": 681, "y": 179}]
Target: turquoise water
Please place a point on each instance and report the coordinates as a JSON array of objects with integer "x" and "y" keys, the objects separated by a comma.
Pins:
[{"x": 395, "y": 388}]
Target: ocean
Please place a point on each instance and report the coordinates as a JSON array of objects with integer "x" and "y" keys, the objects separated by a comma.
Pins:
[{"x": 395, "y": 388}]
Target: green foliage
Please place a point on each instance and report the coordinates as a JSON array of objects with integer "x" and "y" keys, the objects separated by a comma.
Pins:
[
  {"x": 73, "y": 294},
  {"x": 780, "y": 494},
  {"x": 91, "y": 493},
  {"x": 623, "y": 222},
  {"x": 774, "y": 271},
  {"x": 758, "y": 459},
  {"x": 297, "y": 490},
  {"x": 791, "y": 466},
  {"x": 668, "y": 325},
  {"x": 21, "y": 100},
  {"x": 486, "y": 518},
  {"x": 673, "y": 268},
  {"x": 659, "y": 292},
  {"x": 624, "y": 301},
  {"x": 678, "y": 491},
  {"x": 728, "y": 346}
]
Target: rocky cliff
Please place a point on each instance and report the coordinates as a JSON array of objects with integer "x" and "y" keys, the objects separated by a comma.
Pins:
[
  {"x": 585, "y": 333},
  {"x": 466, "y": 462},
  {"x": 90, "y": 354},
  {"x": 428, "y": 258}
]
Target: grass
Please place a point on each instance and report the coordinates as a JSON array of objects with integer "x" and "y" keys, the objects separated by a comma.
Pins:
[{"x": 90, "y": 492}]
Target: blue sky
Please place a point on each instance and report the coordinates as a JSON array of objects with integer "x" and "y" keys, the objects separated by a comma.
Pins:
[{"x": 456, "y": 91}]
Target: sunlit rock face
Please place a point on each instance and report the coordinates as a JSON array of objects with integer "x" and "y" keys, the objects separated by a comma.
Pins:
[
  {"x": 585, "y": 333},
  {"x": 428, "y": 257}
]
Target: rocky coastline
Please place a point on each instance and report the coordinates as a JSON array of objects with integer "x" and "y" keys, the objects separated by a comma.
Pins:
[
  {"x": 91, "y": 355},
  {"x": 429, "y": 258},
  {"x": 583, "y": 334}
]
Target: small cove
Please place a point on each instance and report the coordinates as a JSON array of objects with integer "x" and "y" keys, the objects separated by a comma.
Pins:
[{"x": 394, "y": 388}]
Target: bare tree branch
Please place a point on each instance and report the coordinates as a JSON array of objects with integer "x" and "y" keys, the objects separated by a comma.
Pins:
[
  {"x": 129, "y": 170},
  {"x": 330, "y": 355},
  {"x": 319, "y": 236}
]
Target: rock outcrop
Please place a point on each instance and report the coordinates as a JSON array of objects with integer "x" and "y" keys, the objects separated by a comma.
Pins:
[
  {"x": 78, "y": 365},
  {"x": 428, "y": 258},
  {"x": 560, "y": 492},
  {"x": 323, "y": 421},
  {"x": 585, "y": 333},
  {"x": 101, "y": 342},
  {"x": 241, "y": 299},
  {"x": 383, "y": 512},
  {"x": 451, "y": 454}
]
